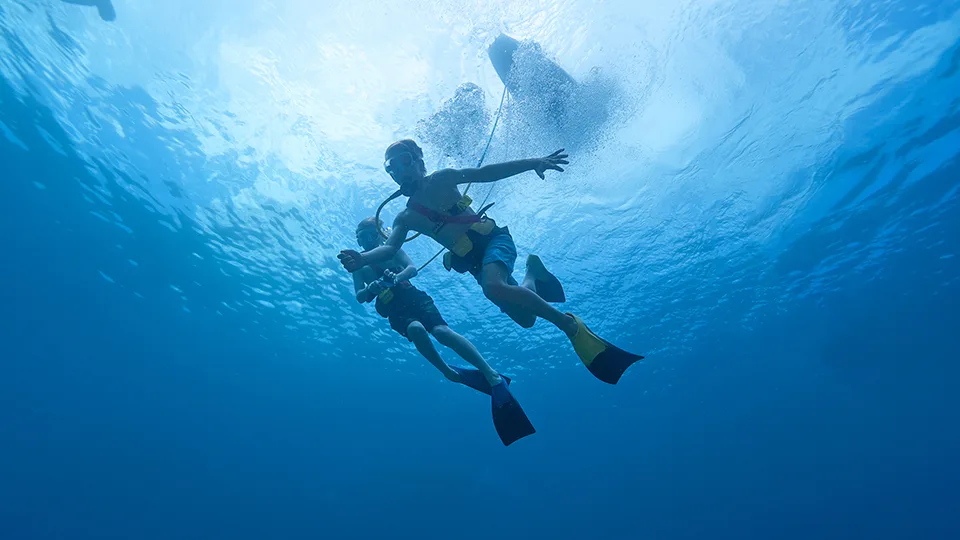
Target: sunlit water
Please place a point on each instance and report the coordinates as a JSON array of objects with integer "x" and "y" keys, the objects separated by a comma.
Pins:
[{"x": 762, "y": 198}]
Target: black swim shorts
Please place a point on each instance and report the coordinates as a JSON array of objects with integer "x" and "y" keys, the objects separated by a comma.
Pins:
[{"x": 412, "y": 304}]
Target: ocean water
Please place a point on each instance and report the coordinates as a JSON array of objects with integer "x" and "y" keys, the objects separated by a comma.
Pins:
[{"x": 762, "y": 199}]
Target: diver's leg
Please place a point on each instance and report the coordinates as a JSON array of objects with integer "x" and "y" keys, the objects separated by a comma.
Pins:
[
  {"x": 496, "y": 270},
  {"x": 463, "y": 347},
  {"x": 417, "y": 334},
  {"x": 529, "y": 282},
  {"x": 521, "y": 303},
  {"x": 492, "y": 280}
]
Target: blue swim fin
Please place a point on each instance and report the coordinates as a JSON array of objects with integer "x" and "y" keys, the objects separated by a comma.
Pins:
[
  {"x": 511, "y": 422},
  {"x": 474, "y": 379}
]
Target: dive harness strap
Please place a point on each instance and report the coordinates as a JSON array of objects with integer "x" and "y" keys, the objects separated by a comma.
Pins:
[{"x": 482, "y": 226}]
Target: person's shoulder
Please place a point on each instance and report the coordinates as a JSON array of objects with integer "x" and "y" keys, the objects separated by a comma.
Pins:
[{"x": 447, "y": 175}]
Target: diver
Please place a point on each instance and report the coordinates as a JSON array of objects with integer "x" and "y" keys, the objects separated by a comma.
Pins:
[
  {"x": 413, "y": 314},
  {"x": 104, "y": 7},
  {"x": 478, "y": 245}
]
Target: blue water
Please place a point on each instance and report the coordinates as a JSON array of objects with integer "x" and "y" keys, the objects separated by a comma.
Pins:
[{"x": 768, "y": 209}]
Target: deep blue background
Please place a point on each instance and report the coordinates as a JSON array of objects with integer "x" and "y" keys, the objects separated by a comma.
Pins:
[{"x": 127, "y": 416}]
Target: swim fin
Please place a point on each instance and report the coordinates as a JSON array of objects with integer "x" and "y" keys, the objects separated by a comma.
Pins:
[
  {"x": 548, "y": 286},
  {"x": 511, "y": 422},
  {"x": 474, "y": 379},
  {"x": 604, "y": 360}
]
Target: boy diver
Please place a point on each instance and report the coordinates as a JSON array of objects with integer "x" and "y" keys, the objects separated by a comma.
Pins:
[
  {"x": 413, "y": 315},
  {"x": 477, "y": 245}
]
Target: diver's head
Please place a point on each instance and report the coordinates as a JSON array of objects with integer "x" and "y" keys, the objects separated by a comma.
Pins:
[
  {"x": 368, "y": 234},
  {"x": 403, "y": 160}
]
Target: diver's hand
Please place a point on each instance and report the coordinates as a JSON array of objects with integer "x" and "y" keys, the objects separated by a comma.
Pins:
[
  {"x": 389, "y": 276},
  {"x": 553, "y": 162},
  {"x": 375, "y": 288},
  {"x": 351, "y": 260}
]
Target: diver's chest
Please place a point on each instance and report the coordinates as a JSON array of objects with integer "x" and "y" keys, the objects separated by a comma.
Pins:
[
  {"x": 436, "y": 229},
  {"x": 442, "y": 201}
]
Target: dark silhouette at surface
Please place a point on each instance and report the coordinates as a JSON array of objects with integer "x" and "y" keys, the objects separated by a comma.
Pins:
[{"x": 104, "y": 7}]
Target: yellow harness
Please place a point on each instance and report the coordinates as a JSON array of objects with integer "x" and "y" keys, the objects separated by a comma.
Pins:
[
  {"x": 464, "y": 245},
  {"x": 386, "y": 296}
]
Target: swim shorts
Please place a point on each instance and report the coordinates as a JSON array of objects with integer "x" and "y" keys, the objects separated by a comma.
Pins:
[
  {"x": 501, "y": 249},
  {"x": 412, "y": 304}
]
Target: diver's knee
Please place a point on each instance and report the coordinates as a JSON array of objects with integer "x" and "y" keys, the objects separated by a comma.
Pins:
[
  {"x": 495, "y": 291},
  {"x": 443, "y": 333},
  {"x": 523, "y": 318},
  {"x": 415, "y": 330},
  {"x": 527, "y": 321}
]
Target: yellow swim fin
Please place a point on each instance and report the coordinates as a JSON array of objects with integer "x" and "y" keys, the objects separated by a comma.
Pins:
[{"x": 607, "y": 362}]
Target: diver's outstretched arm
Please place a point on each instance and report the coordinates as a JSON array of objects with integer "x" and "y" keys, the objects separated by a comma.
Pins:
[{"x": 500, "y": 171}]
